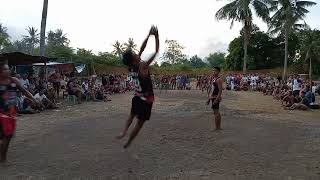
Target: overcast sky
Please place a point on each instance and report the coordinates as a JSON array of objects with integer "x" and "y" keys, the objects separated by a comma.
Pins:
[{"x": 97, "y": 24}]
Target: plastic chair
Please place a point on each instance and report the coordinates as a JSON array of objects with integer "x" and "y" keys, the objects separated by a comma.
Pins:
[
  {"x": 72, "y": 99},
  {"x": 88, "y": 98}
]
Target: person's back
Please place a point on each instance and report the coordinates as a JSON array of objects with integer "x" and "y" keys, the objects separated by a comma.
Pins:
[{"x": 310, "y": 96}]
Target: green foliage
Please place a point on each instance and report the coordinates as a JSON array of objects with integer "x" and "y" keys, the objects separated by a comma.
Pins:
[
  {"x": 109, "y": 59},
  {"x": 310, "y": 48},
  {"x": 233, "y": 60},
  {"x": 216, "y": 59},
  {"x": 57, "y": 38},
  {"x": 287, "y": 15},
  {"x": 59, "y": 51},
  {"x": 4, "y": 38},
  {"x": 32, "y": 39},
  {"x": 197, "y": 62},
  {"x": 240, "y": 10},
  {"x": 173, "y": 52},
  {"x": 131, "y": 45},
  {"x": 118, "y": 49}
]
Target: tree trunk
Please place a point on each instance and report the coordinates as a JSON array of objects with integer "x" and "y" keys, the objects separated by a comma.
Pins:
[
  {"x": 285, "y": 66},
  {"x": 43, "y": 34},
  {"x": 245, "y": 58},
  {"x": 32, "y": 49},
  {"x": 310, "y": 70},
  {"x": 43, "y": 28}
]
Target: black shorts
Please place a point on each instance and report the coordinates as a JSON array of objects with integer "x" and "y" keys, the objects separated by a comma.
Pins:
[
  {"x": 215, "y": 105},
  {"x": 56, "y": 85},
  {"x": 141, "y": 108}
]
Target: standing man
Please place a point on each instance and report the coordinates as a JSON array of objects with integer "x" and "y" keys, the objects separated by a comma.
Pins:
[
  {"x": 296, "y": 86},
  {"x": 57, "y": 82},
  {"x": 214, "y": 96},
  {"x": 143, "y": 99}
]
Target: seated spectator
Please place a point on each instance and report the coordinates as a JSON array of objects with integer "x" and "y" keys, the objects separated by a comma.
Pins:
[
  {"x": 302, "y": 105},
  {"x": 25, "y": 82},
  {"x": 317, "y": 89},
  {"x": 23, "y": 104},
  {"x": 309, "y": 95},
  {"x": 74, "y": 89},
  {"x": 288, "y": 100},
  {"x": 44, "y": 102}
]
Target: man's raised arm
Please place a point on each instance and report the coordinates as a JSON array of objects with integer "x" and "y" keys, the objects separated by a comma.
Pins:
[{"x": 154, "y": 31}]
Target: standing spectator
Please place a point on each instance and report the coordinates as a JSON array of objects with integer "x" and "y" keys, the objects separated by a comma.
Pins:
[
  {"x": 296, "y": 85},
  {"x": 57, "y": 82}
]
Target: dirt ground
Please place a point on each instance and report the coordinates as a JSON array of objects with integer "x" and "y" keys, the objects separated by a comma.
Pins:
[{"x": 260, "y": 140}]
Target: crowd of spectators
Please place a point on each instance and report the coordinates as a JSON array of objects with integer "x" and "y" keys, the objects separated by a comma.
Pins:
[{"x": 294, "y": 93}]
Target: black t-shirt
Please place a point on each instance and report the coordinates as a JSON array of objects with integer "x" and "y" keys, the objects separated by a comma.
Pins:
[
  {"x": 143, "y": 85},
  {"x": 104, "y": 81}
]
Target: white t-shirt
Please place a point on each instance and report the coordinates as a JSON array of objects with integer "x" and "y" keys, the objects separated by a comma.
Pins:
[
  {"x": 39, "y": 98},
  {"x": 296, "y": 86},
  {"x": 85, "y": 87},
  {"x": 25, "y": 83}
]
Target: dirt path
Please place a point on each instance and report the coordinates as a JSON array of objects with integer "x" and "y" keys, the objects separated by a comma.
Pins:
[{"x": 259, "y": 141}]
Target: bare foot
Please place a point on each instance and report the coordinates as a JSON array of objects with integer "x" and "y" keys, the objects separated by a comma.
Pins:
[
  {"x": 5, "y": 163},
  {"x": 218, "y": 129},
  {"x": 126, "y": 145},
  {"x": 122, "y": 135}
]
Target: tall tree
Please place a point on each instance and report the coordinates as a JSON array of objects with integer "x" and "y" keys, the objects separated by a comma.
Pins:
[
  {"x": 239, "y": 10},
  {"x": 32, "y": 39},
  {"x": 173, "y": 52},
  {"x": 43, "y": 27},
  {"x": 131, "y": 45},
  {"x": 288, "y": 14},
  {"x": 118, "y": 49},
  {"x": 310, "y": 46}
]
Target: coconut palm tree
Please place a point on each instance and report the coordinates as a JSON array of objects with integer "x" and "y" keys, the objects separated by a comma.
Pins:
[
  {"x": 118, "y": 49},
  {"x": 131, "y": 45},
  {"x": 57, "y": 38},
  {"x": 241, "y": 11},
  {"x": 288, "y": 14},
  {"x": 32, "y": 39},
  {"x": 310, "y": 42}
]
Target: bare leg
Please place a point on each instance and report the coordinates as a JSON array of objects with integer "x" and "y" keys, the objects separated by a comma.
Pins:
[
  {"x": 79, "y": 95},
  {"x": 128, "y": 123},
  {"x": 134, "y": 133},
  {"x": 217, "y": 119},
  {"x": 4, "y": 146}
]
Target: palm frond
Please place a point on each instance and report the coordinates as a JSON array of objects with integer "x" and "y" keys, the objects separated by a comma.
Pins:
[
  {"x": 261, "y": 9},
  {"x": 227, "y": 12},
  {"x": 305, "y": 3}
]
